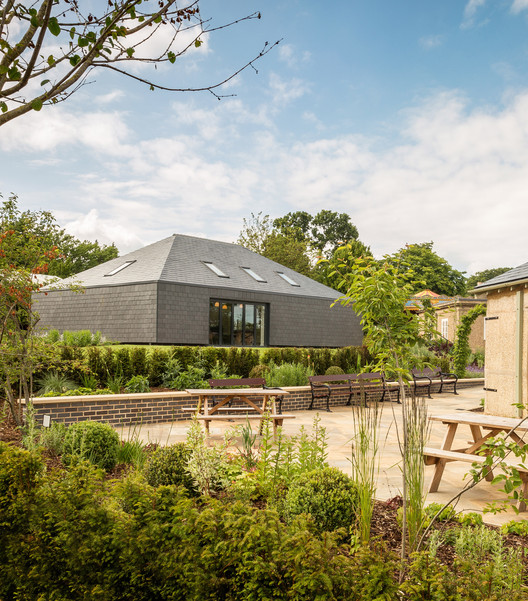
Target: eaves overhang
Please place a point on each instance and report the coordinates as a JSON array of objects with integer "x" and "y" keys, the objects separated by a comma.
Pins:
[{"x": 500, "y": 286}]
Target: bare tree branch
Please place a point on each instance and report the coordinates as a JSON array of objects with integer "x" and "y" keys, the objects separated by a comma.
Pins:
[{"x": 113, "y": 36}]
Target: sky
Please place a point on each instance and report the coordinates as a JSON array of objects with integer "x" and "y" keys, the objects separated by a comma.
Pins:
[{"x": 411, "y": 116}]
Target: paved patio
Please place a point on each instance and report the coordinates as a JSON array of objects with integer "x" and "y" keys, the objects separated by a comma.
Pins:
[{"x": 339, "y": 428}]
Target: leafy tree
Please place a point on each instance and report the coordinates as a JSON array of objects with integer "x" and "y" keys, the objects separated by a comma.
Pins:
[
  {"x": 429, "y": 269},
  {"x": 343, "y": 259},
  {"x": 378, "y": 292},
  {"x": 49, "y": 47},
  {"x": 71, "y": 256},
  {"x": 290, "y": 253},
  {"x": 484, "y": 276},
  {"x": 259, "y": 235},
  {"x": 325, "y": 232},
  {"x": 23, "y": 255}
]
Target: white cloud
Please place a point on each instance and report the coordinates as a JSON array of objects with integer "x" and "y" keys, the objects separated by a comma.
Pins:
[
  {"x": 456, "y": 175},
  {"x": 470, "y": 12},
  {"x": 519, "y": 5},
  {"x": 431, "y": 41},
  {"x": 285, "y": 91},
  {"x": 289, "y": 55}
]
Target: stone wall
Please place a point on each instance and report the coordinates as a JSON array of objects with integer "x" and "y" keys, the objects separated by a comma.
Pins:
[{"x": 122, "y": 409}]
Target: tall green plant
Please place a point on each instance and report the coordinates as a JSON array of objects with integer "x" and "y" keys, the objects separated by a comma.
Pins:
[
  {"x": 379, "y": 292},
  {"x": 462, "y": 350}
]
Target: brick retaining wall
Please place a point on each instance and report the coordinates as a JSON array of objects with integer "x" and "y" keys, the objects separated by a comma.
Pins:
[{"x": 119, "y": 409}]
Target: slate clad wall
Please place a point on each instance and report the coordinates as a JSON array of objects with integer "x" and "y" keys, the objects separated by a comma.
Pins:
[
  {"x": 183, "y": 317},
  {"x": 125, "y": 313}
]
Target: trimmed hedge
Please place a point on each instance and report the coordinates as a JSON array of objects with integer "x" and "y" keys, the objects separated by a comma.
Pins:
[{"x": 126, "y": 362}]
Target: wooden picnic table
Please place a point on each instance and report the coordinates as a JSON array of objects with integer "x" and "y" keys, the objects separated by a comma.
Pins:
[
  {"x": 477, "y": 422},
  {"x": 248, "y": 396}
]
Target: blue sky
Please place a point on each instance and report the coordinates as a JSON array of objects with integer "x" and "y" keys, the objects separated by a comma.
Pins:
[{"x": 410, "y": 116}]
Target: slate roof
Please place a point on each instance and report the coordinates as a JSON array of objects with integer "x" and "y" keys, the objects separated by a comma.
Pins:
[
  {"x": 515, "y": 275},
  {"x": 180, "y": 259}
]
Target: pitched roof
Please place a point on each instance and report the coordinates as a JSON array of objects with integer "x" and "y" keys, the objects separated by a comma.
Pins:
[
  {"x": 182, "y": 259},
  {"x": 515, "y": 275}
]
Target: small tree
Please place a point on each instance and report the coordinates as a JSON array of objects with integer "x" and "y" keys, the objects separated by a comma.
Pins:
[
  {"x": 23, "y": 257},
  {"x": 379, "y": 292}
]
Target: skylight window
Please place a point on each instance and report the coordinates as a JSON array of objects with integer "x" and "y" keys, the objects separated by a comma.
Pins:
[
  {"x": 254, "y": 275},
  {"x": 216, "y": 270},
  {"x": 120, "y": 268},
  {"x": 288, "y": 279}
]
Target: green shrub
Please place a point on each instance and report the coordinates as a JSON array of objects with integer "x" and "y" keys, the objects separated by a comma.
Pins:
[
  {"x": 515, "y": 527},
  {"x": 96, "y": 363},
  {"x": 173, "y": 369},
  {"x": 54, "y": 382},
  {"x": 138, "y": 360},
  {"x": 334, "y": 370},
  {"x": 259, "y": 371},
  {"x": 52, "y": 336},
  {"x": 137, "y": 384},
  {"x": 123, "y": 367},
  {"x": 185, "y": 355},
  {"x": 79, "y": 339},
  {"x": 93, "y": 441},
  {"x": 193, "y": 377},
  {"x": 52, "y": 438},
  {"x": 132, "y": 452},
  {"x": 328, "y": 495},
  {"x": 115, "y": 383},
  {"x": 168, "y": 465},
  {"x": 157, "y": 362},
  {"x": 288, "y": 374}
]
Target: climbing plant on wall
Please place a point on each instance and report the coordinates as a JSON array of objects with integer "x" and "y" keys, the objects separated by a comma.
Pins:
[{"x": 462, "y": 350}]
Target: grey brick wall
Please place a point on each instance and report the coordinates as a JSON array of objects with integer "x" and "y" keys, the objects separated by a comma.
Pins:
[
  {"x": 123, "y": 313},
  {"x": 183, "y": 317},
  {"x": 167, "y": 313},
  {"x": 121, "y": 409}
]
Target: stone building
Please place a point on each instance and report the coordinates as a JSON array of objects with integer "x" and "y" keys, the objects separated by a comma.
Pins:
[
  {"x": 506, "y": 372},
  {"x": 188, "y": 290}
]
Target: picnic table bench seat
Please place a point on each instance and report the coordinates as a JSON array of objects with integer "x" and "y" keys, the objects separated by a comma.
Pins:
[
  {"x": 423, "y": 379},
  {"x": 243, "y": 382},
  {"x": 353, "y": 385}
]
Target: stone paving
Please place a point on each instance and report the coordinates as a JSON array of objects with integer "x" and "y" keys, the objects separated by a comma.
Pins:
[{"x": 339, "y": 427}]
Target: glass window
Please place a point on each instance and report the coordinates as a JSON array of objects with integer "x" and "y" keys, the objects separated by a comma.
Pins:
[
  {"x": 237, "y": 324},
  {"x": 288, "y": 279},
  {"x": 227, "y": 323},
  {"x": 260, "y": 325},
  {"x": 214, "y": 323},
  {"x": 120, "y": 268},
  {"x": 249, "y": 326},
  {"x": 215, "y": 269},
  {"x": 445, "y": 328},
  {"x": 254, "y": 275}
]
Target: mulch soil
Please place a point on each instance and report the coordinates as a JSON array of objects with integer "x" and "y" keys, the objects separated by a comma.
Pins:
[{"x": 385, "y": 526}]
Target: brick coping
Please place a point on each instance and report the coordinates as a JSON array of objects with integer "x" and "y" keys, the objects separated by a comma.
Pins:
[{"x": 174, "y": 394}]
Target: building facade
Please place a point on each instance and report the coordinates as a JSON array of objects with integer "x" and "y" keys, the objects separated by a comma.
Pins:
[
  {"x": 506, "y": 371},
  {"x": 188, "y": 290}
]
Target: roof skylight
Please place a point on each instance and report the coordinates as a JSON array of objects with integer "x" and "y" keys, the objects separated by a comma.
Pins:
[
  {"x": 120, "y": 268},
  {"x": 254, "y": 275},
  {"x": 288, "y": 279},
  {"x": 215, "y": 269}
]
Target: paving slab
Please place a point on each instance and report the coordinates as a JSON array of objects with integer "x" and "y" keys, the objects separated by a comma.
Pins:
[{"x": 339, "y": 426}]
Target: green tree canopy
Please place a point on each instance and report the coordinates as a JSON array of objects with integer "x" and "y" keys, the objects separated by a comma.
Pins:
[
  {"x": 324, "y": 232},
  {"x": 484, "y": 276},
  {"x": 39, "y": 228},
  {"x": 261, "y": 236},
  {"x": 429, "y": 269}
]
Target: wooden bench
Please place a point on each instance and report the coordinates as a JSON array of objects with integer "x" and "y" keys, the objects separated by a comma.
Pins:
[
  {"x": 353, "y": 385},
  {"x": 277, "y": 419},
  {"x": 423, "y": 378},
  {"x": 434, "y": 456},
  {"x": 243, "y": 382}
]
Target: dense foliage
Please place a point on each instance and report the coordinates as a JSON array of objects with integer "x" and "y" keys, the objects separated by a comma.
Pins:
[{"x": 95, "y": 442}]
